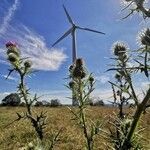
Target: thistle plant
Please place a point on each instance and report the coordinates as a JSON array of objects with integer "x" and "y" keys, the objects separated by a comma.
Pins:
[
  {"x": 129, "y": 135},
  {"x": 23, "y": 68},
  {"x": 139, "y": 6},
  {"x": 120, "y": 89},
  {"x": 82, "y": 85}
]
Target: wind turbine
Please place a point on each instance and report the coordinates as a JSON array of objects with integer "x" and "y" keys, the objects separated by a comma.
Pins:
[{"x": 72, "y": 31}]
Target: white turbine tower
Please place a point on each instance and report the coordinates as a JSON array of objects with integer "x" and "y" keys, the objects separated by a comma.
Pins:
[{"x": 72, "y": 31}]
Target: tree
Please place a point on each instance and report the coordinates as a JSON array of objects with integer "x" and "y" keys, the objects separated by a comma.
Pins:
[
  {"x": 55, "y": 103},
  {"x": 11, "y": 100},
  {"x": 99, "y": 103}
]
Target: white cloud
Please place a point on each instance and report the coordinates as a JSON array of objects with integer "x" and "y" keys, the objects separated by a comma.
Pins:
[
  {"x": 102, "y": 78},
  {"x": 104, "y": 94},
  {"x": 33, "y": 46},
  {"x": 145, "y": 85},
  {"x": 8, "y": 17}
]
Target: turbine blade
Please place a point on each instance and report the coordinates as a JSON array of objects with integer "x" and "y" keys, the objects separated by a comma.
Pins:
[
  {"x": 91, "y": 30},
  {"x": 62, "y": 37},
  {"x": 68, "y": 16}
]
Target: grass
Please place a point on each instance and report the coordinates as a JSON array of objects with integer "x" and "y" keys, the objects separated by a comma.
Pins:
[{"x": 20, "y": 133}]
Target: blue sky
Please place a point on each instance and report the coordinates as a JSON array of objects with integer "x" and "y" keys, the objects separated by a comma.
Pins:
[{"x": 36, "y": 24}]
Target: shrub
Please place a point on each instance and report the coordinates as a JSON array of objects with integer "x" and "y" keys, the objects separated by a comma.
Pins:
[
  {"x": 99, "y": 103},
  {"x": 38, "y": 104},
  {"x": 55, "y": 103},
  {"x": 22, "y": 104}
]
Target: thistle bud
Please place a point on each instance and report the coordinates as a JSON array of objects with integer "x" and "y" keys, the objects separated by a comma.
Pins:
[
  {"x": 91, "y": 79},
  {"x": 118, "y": 76},
  {"x": 27, "y": 64},
  {"x": 71, "y": 68},
  {"x": 71, "y": 84},
  {"x": 118, "y": 93},
  {"x": 12, "y": 58},
  {"x": 14, "y": 50},
  {"x": 144, "y": 37}
]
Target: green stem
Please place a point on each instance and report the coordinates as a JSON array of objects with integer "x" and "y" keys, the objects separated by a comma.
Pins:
[
  {"x": 129, "y": 80},
  {"x": 137, "y": 115},
  {"x": 83, "y": 116},
  {"x": 23, "y": 90}
]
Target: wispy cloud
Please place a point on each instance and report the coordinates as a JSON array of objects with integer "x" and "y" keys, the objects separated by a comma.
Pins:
[
  {"x": 9, "y": 78},
  {"x": 34, "y": 47},
  {"x": 102, "y": 79},
  {"x": 145, "y": 85},
  {"x": 8, "y": 17}
]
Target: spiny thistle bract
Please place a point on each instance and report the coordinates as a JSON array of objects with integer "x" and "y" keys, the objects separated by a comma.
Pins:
[
  {"x": 144, "y": 37},
  {"x": 120, "y": 50}
]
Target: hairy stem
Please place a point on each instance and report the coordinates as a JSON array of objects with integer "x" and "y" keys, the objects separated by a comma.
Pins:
[
  {"x": 137, "y": 115},
  {"x": 83, "y": 117}
]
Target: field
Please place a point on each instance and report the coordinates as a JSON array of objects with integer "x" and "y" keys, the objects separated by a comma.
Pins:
[{"x": 20, "y": 133}]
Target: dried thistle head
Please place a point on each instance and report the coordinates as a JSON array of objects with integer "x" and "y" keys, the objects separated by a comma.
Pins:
[
  {"x": 120, "y": 50},
  {"x": 79, "y": 62},
  {"x": 79, "y": 70},
  {"x": 144, "y": 37}
]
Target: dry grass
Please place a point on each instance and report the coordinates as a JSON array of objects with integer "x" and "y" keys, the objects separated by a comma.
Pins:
[{"x": 20, "y": 133}]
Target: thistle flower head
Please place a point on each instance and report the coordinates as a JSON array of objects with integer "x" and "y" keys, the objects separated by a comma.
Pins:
[
  {"x": 144, "y": 37},
  {"x": 119, "y": 48},
  {"x": 11, "y": 44},
  {"x": 79, "y": 62}
]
